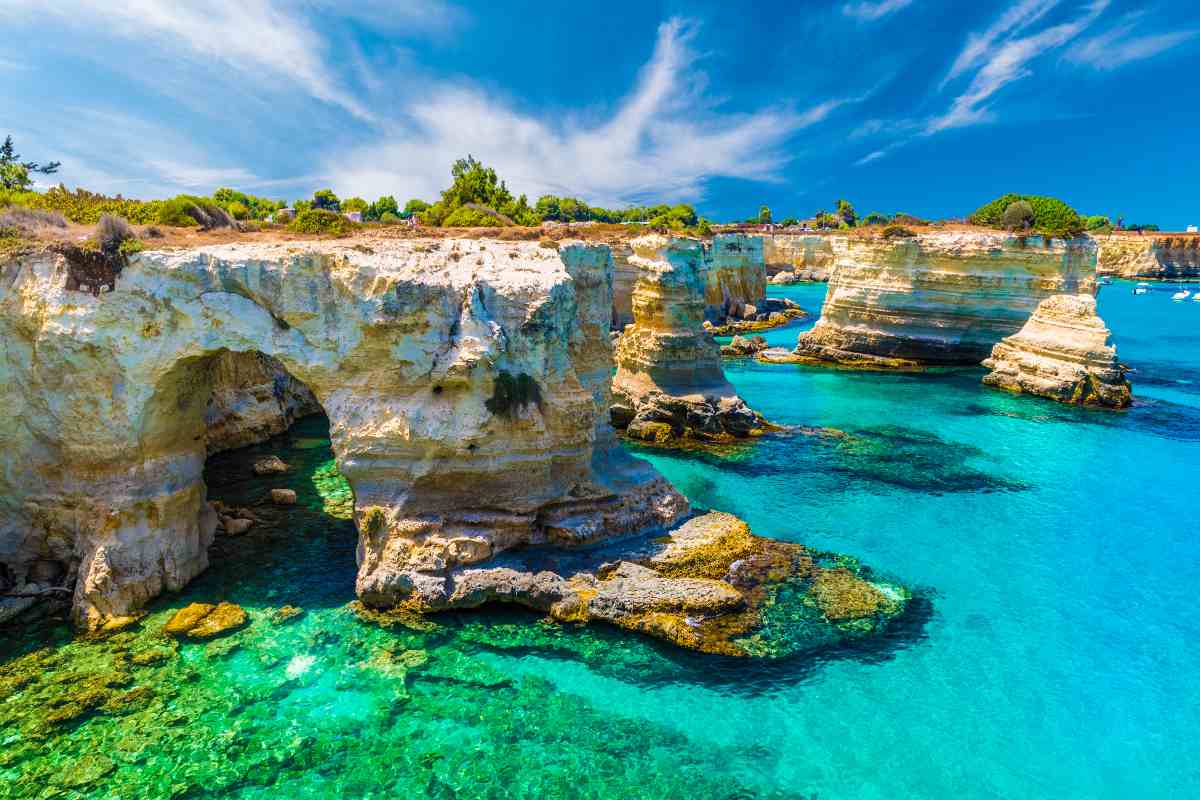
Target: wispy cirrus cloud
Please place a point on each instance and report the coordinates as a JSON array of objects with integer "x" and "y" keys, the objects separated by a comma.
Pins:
[
  {"x": 1121, "y": 44},
  {"x": 262, "y": 40},
  {"x": 665, "y": 140},
  {"x": 1000, "y": 61},
  {"x": 871, "y": 10}
]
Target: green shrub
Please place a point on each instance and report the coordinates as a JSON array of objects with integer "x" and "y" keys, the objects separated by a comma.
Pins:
[
  {"x": 322, "y": 221},
  {"x": 1018, "y": 216},
  {"x": 1096, "y": 221},
  {"x": 388, "y": 218},
  {"x": 464, "y": 217},
  {"x": 876, "y": 218},
  {"x": 1051, "y": 216}
]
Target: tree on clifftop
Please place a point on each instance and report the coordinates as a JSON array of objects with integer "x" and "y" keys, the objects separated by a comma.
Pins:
[{"x": 14, "y": 173}]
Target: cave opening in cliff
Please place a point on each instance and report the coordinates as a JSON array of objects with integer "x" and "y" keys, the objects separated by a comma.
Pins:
[{"x": 258, "y": 444}]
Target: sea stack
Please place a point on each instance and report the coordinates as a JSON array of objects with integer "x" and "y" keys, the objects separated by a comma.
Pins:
[
  {"x": 941, "y": 298},
  {"x": 1063, "y": 353},
  {"x": 669, "y": 383}
]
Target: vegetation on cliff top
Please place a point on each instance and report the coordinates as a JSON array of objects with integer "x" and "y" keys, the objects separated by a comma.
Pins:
[{"x": 1050, "y": 216}]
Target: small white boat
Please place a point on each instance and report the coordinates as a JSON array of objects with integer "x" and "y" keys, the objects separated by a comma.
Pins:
[
  {"x": 1182, "y": 294},
  {"x": 1141, "y": 290},
  {"x": 1196, "y": 297}
]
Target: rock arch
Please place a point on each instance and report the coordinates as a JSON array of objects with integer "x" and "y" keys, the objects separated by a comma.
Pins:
[{"x": 102, "y": 461}]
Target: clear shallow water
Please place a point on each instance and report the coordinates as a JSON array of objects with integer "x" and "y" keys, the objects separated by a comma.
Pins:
[{"x": 1056, "y": 657}]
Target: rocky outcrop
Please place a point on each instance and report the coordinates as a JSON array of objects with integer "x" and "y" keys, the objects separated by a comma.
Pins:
[
  {"x": 734, "y": 277},
  {"x": 938, "y": 298},
  {"x": 448, "y": 371},
  {"x": 708, "y": 585},
  {"x": 467, "y": 386},
  {"x": 734, "y": 280},
  {"x": 669, "y": 382},
  {"x": 1063, "y": 353},
  {"x": 1150, "y": 256},
  {"x": 793, "y": 258},
  {"x": 742, "y": 346},
  {"x": 253, "y": 399}
]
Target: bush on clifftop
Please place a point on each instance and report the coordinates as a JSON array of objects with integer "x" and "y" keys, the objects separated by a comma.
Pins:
[
  {"x": 320, "y": 220},
  {"x": 1051, "y": 216},
  {"x": 1018, "y": 216}
]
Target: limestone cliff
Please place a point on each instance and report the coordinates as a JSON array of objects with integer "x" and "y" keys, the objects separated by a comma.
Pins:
[
  {"x": 669, "y": 382},
  {"x": 1150, "y": 256},
  {"x": 446, "y": 369},
  {"x": 792, "y": 257},
  {"x": 253, "y": 399},
  {"x": 1063, "y": 352},
  {"x": 938, "y": 298}
]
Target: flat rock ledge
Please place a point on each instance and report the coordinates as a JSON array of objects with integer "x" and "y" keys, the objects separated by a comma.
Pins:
[
  {"x": 821, "y": 356},
  {"x": 1063, "y": 353},
  {"x": 709, "y": 585}
]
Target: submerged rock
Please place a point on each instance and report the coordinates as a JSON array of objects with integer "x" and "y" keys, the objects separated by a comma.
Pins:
[
  {"x": 938, "y": 298},
  {"x": 669, "y": 372},
  {"x": 1063, "y": 353},
  {"x": 270, "y": 465},
  {"x": 206, "y": 621},
  {"x": 283, "y": 497}
]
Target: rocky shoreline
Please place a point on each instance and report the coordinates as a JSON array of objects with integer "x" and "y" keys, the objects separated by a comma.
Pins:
[{"x": 469, "y": 392}]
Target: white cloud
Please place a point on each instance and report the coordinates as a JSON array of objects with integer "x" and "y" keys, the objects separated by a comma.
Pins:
[
  {"x": 664, "y": 140},
  {"x": 871, "y": 11},
  {"x": 1013, "y": 21},
  {"x": 1002, "y": 62},
  {"x": 1117, "y": 46},
  {"x": 874, "y": 155},
  {"x": 257, "y": 38}
]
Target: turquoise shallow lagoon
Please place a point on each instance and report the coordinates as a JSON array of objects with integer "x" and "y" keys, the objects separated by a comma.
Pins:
[{"x": 1053, "y": 655}]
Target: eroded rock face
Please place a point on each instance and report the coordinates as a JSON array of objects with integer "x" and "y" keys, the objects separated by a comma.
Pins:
[
  {"x": 938, "y": 298},
  {"x": 253, "y": 399},
  {"x": 448, "y": 371},
  {"x": 1154, "y": 257},
  {"x": 792, "y": 258},
  {"x": 1063, "y": 353},
  {"x": 669, "y": 382},
  {"x": 734, "y": 278}
]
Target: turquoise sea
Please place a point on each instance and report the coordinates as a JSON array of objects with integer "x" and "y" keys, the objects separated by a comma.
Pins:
[{"x": 1053, "y": 653}]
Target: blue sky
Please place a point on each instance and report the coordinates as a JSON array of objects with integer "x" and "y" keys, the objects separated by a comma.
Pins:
[{"x": 925, "y": 106}]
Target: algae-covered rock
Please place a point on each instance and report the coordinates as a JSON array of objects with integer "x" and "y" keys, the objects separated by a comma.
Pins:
[
  {"x": 225, "y": 618},
  {"x": 187, "y": 618},
  {"x": 206, "y": 621},
  {"x": 286, "y": 614}
]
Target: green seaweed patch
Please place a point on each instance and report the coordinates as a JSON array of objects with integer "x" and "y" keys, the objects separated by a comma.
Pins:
[{"x": 512, "y": 393}]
